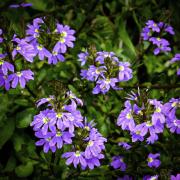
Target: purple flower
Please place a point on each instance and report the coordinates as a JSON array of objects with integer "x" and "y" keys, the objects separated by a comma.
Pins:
[
  {"x": 146, "y": 127},
  {"x": 55, "y": 57},
  {"x": 153, "y": 161},
  {"x": 93, "y": 73},
  {"x": 1, "y": 38},
  {"x": 146, "y": 33},
  {"x": 20, "y": 5},
  {"x": 125, "y": 73},
  {"x": 4, "y": 80},
  {"x": 5, "y": 66},
  {"x": 153, "y": 26},
  {"x": 59, "y": 137},
  {"x": 33, "y": 31},
  {"x": 75, "y": 158},
  {"x": 25, "y": 49},
  {"x": 158, "y": 114},
  {"x": 83, "y": 57},
  {"x": 74, "y": 98},
  {"x": 95, "y": 144},
  {"x": 103, "y": 85},
  {"x": 92, "y": 162},
  {"x": 45, "y": 141},
  {"x": 118, "y": 162},
  {"x": 44, "y": 100},
  {"x": 170, "y": 107},
  {"x": 66, "y": 38},
  {"x": 169, "y": 29},
  {"x": 175, "y": 58},
  {"x": 148, "y": 177},
  {"x": 42, "y": 52},
  {"x": 102, "y": 55},
  {"x": 136, "y": 136},
  {"x": 124, "y": 145},
  {"x": 159, "y": 41},
  {"x": 125, "y": 119},
  {"x": 44, "y": 121},
  {"x": 177, "y": 177},
  {"x": 22, "y": 77},
  {"x": 173, "y": 124}
]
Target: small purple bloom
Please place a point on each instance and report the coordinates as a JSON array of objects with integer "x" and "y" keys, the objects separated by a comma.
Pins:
[
  {"x": 83, "y": 57},
  {"x": 55, "y": 58},
  {"x": 153, "y": 161},
  {"x": 175, "y": 177},
  {"x": 44, "y": 121},
  {"x": 91, "y": 163},
  {"x": 22, "y": 77},
  {"x": 103, "y": 85},
  {"x": 125, "y": 73},
  {"x": 175, "y": 58},
  {"x": 5, "y": 66},
  {"x": 33, "y": 31},
  {"x": 146, "y": 33},
  {"x": 124, "y": 145},
  {"x": 20, "y": 5},
  {"x": 25, "y": 49},
  {"x": 44, "y": 100},
  {"x": 42, "y": 52},
  {"x": 125, "y": 119},
  {"x": 169, "y": 29},
  {"x": 118, "y": 162},
  {"x": 60, "y": 137},
  {"x": 73, "y": 97},
  {"x": 66, "y": 38},
  {"x": 45, "y": 141},
  {"x": 148, "y": 177},
  {"x": 75, "y": 158},
  {"x": 153, "y": 26},
  {"x": 95, "y": 144},
  {"x": 4, "y": 81},
  {"x": 102, "y": 55}
]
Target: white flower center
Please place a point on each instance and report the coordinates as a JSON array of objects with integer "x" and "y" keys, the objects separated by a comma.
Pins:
[{"x": 121, "y": 68}]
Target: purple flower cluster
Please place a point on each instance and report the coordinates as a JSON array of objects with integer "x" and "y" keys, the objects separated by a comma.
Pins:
[
  {"x": 176, "y": 58},
  {"x": 65, "y": 125},
  {"x": 169, "y": 109},
  {"x": 11, "y": 80},
  {"x": 152, "y": 32},
  {"x": 151, "y": 125},
  {"x": 39, "y": 41},
  {"x": 62, "y": 37},
  {"x": 55, "y": 128},
  {"x": 106, "y": 71},
  {"x": 92, "y": 152}
]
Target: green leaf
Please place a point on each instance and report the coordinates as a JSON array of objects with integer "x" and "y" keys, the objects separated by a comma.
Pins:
[
  {"x": 11, "y": 164},
  {"x": 24, "y": 170},
  {"x": 18, "y": 141},
  {"x": 24, "y": 118},
  {"x": 6, "y": 131},
  {"x": 124, "y": 36}
]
